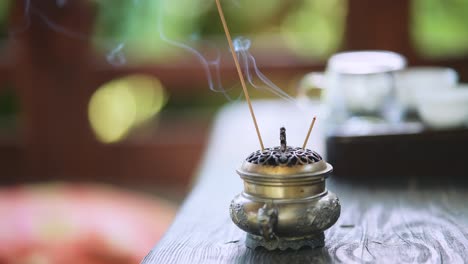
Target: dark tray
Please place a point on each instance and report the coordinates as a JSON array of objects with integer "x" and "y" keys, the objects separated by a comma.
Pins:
[{"x": 405, "y": 150}]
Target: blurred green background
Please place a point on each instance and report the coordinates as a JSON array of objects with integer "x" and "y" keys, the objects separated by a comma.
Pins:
[{"x": 310, "y": 30}]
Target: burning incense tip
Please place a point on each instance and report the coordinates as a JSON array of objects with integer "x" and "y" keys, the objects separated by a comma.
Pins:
[
  {"x": 239, "y": 71},
  {"x": 284, "y": 144},
  {"x": 308, "y": 133}
]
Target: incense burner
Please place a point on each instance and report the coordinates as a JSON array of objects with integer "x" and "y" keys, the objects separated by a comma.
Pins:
[{"x": 285, "y": 203}]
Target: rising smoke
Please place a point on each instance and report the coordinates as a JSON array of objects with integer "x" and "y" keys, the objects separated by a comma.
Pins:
[
  {"x": 116, "y": 54},
  {"x": 251, "y": 71},
  {"x": 212, "y": 67}
]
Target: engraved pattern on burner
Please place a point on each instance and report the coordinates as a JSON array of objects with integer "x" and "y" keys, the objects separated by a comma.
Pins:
[
  {"x": 238, "y": 214},
  {"x": 291, "y": 157}
]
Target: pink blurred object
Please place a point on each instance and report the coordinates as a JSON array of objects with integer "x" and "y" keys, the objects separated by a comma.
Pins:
[{"x": 79, "y": 223}]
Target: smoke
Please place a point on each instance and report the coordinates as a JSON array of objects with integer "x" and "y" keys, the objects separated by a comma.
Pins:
[
  {"x": 115, "y": 56},
  {"x": 30, "y": 10},
  {"x": 212, "y": 67},
  {"x": 250, "y": 69}
]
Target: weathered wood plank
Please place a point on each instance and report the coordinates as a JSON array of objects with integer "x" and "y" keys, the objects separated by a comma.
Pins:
[{"x": 379, "y": 224}]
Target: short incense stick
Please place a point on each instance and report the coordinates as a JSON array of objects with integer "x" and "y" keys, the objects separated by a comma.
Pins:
[
  {"x": 308, "y": 133},
  {"x": 239, "y": 71}
]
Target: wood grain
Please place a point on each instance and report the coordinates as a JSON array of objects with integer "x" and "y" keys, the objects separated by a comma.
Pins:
[{"x": 400, "y": 223}]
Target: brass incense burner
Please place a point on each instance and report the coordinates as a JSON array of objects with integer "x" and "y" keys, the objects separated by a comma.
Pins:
[{"x": 285, "y": 203}]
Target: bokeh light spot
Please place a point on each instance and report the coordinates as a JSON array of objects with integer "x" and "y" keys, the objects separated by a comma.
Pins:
[{"x": 122, "y": 104}]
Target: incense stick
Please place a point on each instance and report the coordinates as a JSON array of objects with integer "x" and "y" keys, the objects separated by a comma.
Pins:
[
  {"x": 308, "y": 133},
  {"x": 239, "y": 71}
]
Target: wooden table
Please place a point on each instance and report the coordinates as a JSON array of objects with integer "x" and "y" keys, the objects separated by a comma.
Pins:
[{"x": 403, "y": 223}]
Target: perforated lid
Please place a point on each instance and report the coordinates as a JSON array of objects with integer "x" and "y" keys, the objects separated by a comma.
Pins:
[{"x": 284, "y": 160}]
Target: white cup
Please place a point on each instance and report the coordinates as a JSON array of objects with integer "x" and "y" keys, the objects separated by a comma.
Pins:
[
  {"x": 414, "y": 80},
  {"x": 443, "y": 108},
  {"x": 361, "y": 83}
]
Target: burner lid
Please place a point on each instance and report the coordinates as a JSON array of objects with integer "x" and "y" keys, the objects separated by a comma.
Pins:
[{"x": 284, "y": 160}]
